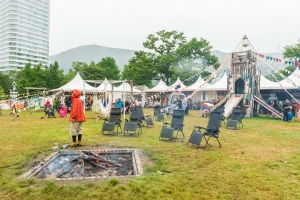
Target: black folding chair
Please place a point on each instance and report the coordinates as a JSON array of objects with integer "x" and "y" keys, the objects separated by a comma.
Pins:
[
  {"x": 235, "y": 122},
  {"x": 133, "y": 126},
  {"x": 212, "y": 130},
  {"x": 222, "y": 118},
  {"x": 176, "y": 125},
  {"x": 113, "y": 123},
  {"x": 158, "y": 115},
  {"x": 147, "y": 119}
]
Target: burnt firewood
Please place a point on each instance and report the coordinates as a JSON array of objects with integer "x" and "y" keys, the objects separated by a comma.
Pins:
[{"x": 96, "y": 164}]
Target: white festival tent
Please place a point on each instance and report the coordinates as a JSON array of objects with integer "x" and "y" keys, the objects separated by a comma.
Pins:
[
  {"x": 221, "y": 85},
  {"x": 160, "y": 87},
  {"x": 76, "y": 83},
  {"x": 194, "y": 86},
  {"x": 125, "y": 87},
  {"x": 177, "y": 82},
  {"x": 105, "y": 86}
]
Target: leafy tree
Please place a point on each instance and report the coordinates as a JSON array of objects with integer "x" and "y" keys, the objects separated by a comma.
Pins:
[
  {"x": 139, "y": 70},
  {"x": 111, "y": 70},
  {"x": 3, "y": 96},
  {"x": 93, "y": 72},
  {"x": 292, "y": 52},
  {"x": 54, "y": 76},
  {"x": 5, "y": 82},
  {"x": 172, "y": 56}
]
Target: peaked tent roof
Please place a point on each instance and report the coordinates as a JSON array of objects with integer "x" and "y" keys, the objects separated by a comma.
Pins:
[
  {"x": 220, "y": 85},
  {"x": 266, "y": 84},
  {"x": 125, "y": 87},
  {"x": 194, "y": 86},
  {"x": 160, "y": 87},
  {"x": 76, "y": 83},
  {"x": 177, "y": 82},
  {"x": 101, "y": 87},
  {"x": 295, "y": 76}
]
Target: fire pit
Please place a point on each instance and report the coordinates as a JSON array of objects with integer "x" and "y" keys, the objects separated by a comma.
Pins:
[{"x": 82, "y": 164}]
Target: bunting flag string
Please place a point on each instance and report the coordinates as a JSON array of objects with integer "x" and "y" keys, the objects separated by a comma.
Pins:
[
  {"x": 210, "y": 77},
  {"x": 195, "y": 75},
  {"x": 297, "y": 64},
  {"x": 276, "y": 71}
]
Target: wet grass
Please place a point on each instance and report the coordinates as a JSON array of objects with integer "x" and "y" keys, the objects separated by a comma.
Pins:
[{"x": 260, "y": 161}]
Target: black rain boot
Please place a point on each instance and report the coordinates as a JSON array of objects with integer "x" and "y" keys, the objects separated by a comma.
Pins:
[
  {"x": 74, "y": 144},
  {"x": 79, "y": 140}
]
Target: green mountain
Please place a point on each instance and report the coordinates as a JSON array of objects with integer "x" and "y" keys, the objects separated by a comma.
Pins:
[{"x": 89, "y": 53}]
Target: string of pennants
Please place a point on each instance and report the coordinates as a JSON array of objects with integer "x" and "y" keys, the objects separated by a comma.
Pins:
[
  {"x": 282, "y": 76},
  {"x": 297, "y": 64},
  {"x": 211, "y": 76},
  {"x": 288, "y": 80}
]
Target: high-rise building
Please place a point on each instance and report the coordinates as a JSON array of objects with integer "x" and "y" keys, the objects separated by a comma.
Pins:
[{"x": 24, "y": 33}]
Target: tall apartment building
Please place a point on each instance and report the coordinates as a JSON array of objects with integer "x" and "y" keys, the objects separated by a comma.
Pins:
[{"x": 24, "y": 33}]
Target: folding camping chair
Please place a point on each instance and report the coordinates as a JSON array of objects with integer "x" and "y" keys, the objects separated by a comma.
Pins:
[
  {"x": 235, "y": 122},
  {"x": 175, "y": 125},
  {"x": 212, "y": 130},
  {"x": 113, "y": 122},
  {"x": 157, "y": 113},
  {"x": 222, "y": 118},
  {"x": 49, "y": 112},
  {"x": 133, "y": 126},
  {"x": 148, "y": 120}
]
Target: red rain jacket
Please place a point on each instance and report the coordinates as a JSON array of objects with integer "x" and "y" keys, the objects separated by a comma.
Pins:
[{"x": 77, "y": 108}]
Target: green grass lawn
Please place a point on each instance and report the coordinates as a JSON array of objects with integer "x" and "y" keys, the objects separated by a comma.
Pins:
[{"x": 260, "y": 161}]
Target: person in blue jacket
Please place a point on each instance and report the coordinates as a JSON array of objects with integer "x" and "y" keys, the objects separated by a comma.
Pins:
[{"x": 119, "y": 103}]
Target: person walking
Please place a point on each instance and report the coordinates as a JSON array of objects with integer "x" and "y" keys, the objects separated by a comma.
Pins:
[{"x": 76, "y": 117}]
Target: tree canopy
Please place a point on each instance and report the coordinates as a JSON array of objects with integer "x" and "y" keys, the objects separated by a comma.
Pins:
[
  {"x": 292, "y": 52},
  {"x": 170, "y": 56}
]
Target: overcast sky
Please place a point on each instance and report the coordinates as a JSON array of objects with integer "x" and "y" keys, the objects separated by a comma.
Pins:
[{"x": 126, "y": 23}]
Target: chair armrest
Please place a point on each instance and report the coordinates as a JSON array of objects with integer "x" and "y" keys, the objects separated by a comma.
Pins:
[
  {"x": 126, "y": 120},
  {"x": 118, "y": 120},
  {"x": 199, "y": 127}
]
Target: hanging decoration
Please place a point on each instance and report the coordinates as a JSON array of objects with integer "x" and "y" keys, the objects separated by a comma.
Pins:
[{"x": 297, "y": 64}]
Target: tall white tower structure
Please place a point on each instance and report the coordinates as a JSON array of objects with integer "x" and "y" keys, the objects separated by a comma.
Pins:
[{"x": 24, "y": 33}]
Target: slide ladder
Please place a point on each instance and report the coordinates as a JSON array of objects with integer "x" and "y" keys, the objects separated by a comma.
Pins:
[
  {"x": 266, "y": 106},
  {"x": 218, "y": 104},
  {"x": 231, "y": 103}
]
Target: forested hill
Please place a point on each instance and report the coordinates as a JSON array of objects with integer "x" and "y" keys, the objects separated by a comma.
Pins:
[{"x": 89, "y": 53}]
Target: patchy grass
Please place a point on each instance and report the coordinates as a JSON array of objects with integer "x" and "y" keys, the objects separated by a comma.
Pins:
[{"x": 260, "y": 161}]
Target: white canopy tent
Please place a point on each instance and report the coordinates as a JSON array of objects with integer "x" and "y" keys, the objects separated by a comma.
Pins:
[
  {"x": 125, "y": 87},
  {"x": 76, "y": 83},
  {"x": 221, "y": 85},
  {"x": 160, "y": 87},
  {"x": 177, "y": 82},
  {"x": 105, "y": 86},
  {"x": 194, "y": 86}
]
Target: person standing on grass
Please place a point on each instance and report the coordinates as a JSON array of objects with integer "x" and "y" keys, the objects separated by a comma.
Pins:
[
  {"x": 76, "y": 117},
  {"x": 287, "y": 106}
]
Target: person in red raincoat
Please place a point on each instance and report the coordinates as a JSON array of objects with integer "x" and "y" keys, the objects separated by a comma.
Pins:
[{"x": 76, "y": 117}]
